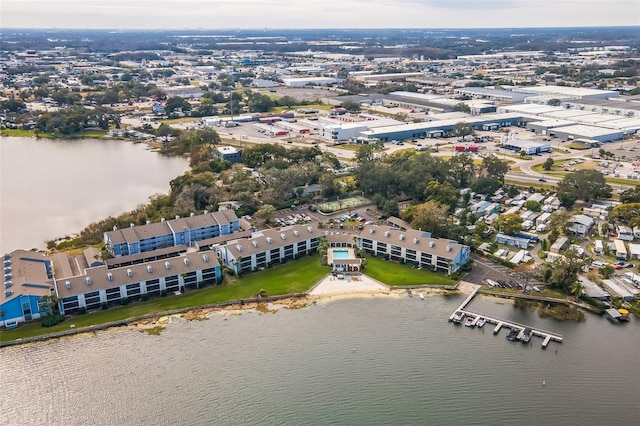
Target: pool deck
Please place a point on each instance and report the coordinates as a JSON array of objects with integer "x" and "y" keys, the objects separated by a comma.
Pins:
[{"x": 349, "y": 284}]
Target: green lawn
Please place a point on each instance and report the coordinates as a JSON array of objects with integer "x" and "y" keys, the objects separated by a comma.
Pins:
[
  {"x": 292, "y": 277},
  {"x": 89, "y": 133},
  {"x": 397, "y": 274}
]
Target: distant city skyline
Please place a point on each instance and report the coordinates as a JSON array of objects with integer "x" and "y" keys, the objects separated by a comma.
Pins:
[{"x": 275, "y": 14}]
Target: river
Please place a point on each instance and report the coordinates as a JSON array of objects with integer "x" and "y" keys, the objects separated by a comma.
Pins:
[
  {"x": 50, "y": 188},
  {"x": 362, "y": 361}
]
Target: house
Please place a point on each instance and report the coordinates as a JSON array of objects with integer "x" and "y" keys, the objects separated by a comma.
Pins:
[
  {"x": 510, "y": 240},
  {"x": 625, "y": 233},
  {"x": 27, "y": 278},
  {"x": 620, "y": 249},
  {"x": 560, "y": 244},
  {"x": 636, "y": 232},
  {"x": 581, "y": 225}
]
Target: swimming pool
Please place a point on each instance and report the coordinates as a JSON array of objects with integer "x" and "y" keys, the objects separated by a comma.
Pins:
[{"x": 340, "y": 254}]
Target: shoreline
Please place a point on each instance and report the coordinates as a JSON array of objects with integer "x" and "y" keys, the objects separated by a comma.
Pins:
[{"x": 236, "y": 307}]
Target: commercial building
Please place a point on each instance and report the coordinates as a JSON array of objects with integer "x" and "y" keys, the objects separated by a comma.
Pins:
[
  {"x": 228, "y": 153},
  {"x": 309, "y": 81},
  {"x": 528, "y": 146},
  {"x": 169, "y": 233}
]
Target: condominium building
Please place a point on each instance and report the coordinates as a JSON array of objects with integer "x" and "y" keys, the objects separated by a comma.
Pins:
[
  {"x": 169, "y": 233},
  {"x": 414, "y": 246},
  {"x": 102, "y": 286},
  {"x": 270, "y": 246}
]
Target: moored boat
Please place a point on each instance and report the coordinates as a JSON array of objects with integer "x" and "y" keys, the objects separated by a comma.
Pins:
[
  {"x": 481, "y": 322},
  {"x": 458, "y": 317},
  {"x": 469, "y": 321},
  {"x": 513, "y": 334}
]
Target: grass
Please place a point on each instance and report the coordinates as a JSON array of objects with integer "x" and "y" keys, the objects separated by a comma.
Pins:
[
  {"x": 321, "y": 107},
  {"x": 89, "y": 133},
  {"x": 292, "y": 277},
  {"x": 398, "y": 274}
]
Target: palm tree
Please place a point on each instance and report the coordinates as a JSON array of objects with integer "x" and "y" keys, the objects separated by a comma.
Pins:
[{"x": 576, "y": 289}]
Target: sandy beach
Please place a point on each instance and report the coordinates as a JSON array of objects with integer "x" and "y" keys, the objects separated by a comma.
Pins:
[{"x": 328, "y": 290}]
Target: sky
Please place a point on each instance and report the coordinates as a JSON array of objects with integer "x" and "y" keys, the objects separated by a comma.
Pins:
[{"x": 294, "y": 14}]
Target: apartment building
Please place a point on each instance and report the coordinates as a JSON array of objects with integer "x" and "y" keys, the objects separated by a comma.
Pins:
[
  {"x": 411, "y": 245},
  {"x": 169, "y": 233},
  {"x": 101, "y": 285}
]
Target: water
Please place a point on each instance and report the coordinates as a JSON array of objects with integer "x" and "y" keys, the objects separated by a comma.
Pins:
[
  {"x": 381, "y": 361},
  {"x": 52, "y": 188}
]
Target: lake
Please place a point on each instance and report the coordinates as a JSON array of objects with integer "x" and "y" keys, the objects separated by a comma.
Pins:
[
  {"x": 50, "y": 188},
  {"x": 361, "y": 361}
]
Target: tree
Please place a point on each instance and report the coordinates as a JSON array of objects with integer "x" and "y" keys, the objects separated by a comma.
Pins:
[
  {"x": 287, "y": 101},
  {"x": 631, "y": 195},
  {"x": 430, "y": 216},
  {"x": 443, "y": 193},
  {"x": 494, "y": 167},
  {"x": 532, "y": 205},
  {"x": 267, "y": 213},
  {"x": 559, "y": 222},
  {"x": 565, "y": 271},
  {"x": 461, "y": 169},
  {"x": 584, "y": 185},
  {"x": 576, "y": 288},
  {"x": 351, "y": 106},
  {"x": 462, "y": 129},
  {"x": 12, "y": 105},
  {"x": 462, "y": 107},
  {"x": 481, "y": 228},
  {"x": 509, "y": 223},
  {"x": 548, "y": 163},
  {"x": 175, "y": 104},
  {"x": 606, "y": 271}
]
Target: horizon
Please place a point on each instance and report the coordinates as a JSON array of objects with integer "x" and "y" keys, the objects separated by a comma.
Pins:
[
  {"x": 201, "y": 29},
  {"x": 329, "y": 14}
]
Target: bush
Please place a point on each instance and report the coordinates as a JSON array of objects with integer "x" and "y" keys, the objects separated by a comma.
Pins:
[
  {"x": 51, "y": 319},
  {"x": 104, "y": 306},
  {"x": 124, "y": 301},
  {"x": 144, "y": 297},
  {"x": 82, "y": 310}
]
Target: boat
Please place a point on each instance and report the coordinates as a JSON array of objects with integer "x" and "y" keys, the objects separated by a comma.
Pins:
[
  {"x": 469, "y": 321},
  {"x": 457, "y": 317},
  {"x": 513, "y": 334},
  {"x": 481, "y": 322},
  {"x": 421, "y": 296},
  {"x": 525, "y": 335}
]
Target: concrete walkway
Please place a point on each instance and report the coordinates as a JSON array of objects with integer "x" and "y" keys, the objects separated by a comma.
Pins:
[{"x": 350, "y": 284}]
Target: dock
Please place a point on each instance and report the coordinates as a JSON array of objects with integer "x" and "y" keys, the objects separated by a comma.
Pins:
[{"x": 547, "y": 336}]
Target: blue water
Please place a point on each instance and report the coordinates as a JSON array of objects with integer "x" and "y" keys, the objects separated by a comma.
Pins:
[
  {"x": 364, "y": 361},
  {"x": 340, "y": 254}
]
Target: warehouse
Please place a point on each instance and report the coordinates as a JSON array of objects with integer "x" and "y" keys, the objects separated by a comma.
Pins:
[
  {"x": 543, "y": 127},
  {"x": 528, "y": 146},
  {"x": 492, "y": 93},
  {"x": 582, "y": 131}
]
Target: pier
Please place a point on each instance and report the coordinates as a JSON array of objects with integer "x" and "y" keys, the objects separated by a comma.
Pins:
[{"x": 500, "y": 323}]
